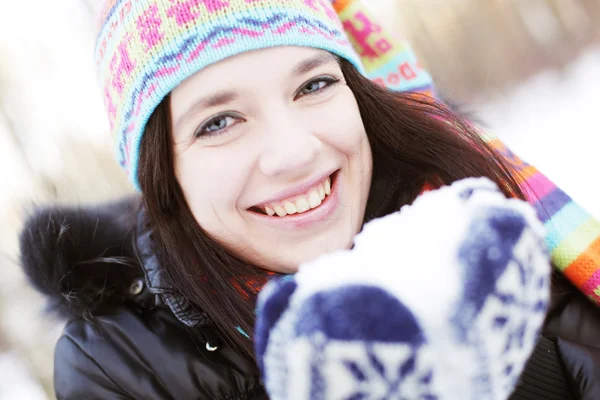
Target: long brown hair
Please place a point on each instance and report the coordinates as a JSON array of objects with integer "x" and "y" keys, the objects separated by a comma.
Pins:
[{"x": 413, "y": 140}]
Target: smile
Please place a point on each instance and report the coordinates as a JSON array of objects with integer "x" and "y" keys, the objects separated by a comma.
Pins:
[
  {"x": 311, "y": 199},
  {"x": 300, "y": 204}
]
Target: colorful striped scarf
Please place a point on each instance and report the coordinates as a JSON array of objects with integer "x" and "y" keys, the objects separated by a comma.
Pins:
[{"x": 573, "y": 235}]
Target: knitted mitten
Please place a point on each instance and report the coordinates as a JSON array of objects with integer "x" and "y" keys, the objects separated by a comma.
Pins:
[{"x": 442, "y": 300}]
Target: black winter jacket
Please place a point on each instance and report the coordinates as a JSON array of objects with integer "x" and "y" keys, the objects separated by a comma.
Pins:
[{"x": 130, "y": 336}]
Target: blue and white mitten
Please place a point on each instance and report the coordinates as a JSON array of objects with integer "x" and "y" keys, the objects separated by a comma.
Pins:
[{"x": 442, "y": 300}]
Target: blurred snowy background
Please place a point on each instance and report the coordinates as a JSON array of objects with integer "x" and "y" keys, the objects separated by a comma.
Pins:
[{"x": 530, "y": 68}]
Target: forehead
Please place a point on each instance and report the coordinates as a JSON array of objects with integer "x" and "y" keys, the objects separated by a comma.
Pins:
[{"x": 270, "y": 64}]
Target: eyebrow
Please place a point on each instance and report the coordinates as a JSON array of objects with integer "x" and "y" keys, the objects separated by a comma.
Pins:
[
  {"x": 214, "y": 100},
  {"x": 312, "y": 63},
  {"x": 225, "y": 97}
]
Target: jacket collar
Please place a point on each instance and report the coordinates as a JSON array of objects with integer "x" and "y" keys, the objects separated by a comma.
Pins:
[{"x": 155, "y": 277}]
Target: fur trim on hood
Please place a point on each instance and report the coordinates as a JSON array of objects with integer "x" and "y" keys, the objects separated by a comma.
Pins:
[{"x": 82, "y": 258}]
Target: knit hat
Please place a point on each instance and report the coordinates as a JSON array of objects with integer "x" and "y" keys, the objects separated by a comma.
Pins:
[{"x": 145, "y": 48}]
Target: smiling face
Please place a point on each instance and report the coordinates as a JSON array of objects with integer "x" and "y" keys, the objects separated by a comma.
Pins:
[{"x": 272, "y": 155}]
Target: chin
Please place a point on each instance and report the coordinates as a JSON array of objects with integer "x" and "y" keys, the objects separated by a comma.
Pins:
[{"x": 299, "y": 255}]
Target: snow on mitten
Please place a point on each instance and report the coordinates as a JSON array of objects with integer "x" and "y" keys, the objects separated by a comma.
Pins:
[{"x": 442, "y": 300}]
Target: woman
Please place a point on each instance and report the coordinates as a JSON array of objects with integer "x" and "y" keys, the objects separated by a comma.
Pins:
[{"x": 258, "y": 144}]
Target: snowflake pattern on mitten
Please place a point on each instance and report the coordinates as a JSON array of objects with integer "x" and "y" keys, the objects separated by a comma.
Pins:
[{"x": 441, "y": 300}]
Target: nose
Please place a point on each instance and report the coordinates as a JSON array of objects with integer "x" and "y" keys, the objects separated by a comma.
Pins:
[{"x": 289, "y": 146}]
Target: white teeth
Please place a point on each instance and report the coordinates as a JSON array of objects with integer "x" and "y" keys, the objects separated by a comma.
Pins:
[
  {"x": 302, "y": 205},
  {"x": 314, "y": 200},
  {"x": 290, "y": 208},
  {"x": 280, "y": 211}
]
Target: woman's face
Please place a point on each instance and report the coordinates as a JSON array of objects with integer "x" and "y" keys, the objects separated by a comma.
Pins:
[{"x": 272, "y": 155}]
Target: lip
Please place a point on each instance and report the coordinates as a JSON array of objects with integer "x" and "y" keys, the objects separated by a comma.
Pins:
[
  {"x": 295, "y": 191},
  {"x": 304, "y": 220}
]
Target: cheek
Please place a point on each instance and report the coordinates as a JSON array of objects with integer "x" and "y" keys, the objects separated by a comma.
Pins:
[
  {"x": 211, "y": 187},
  {"x": 341, "y": 125}
]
